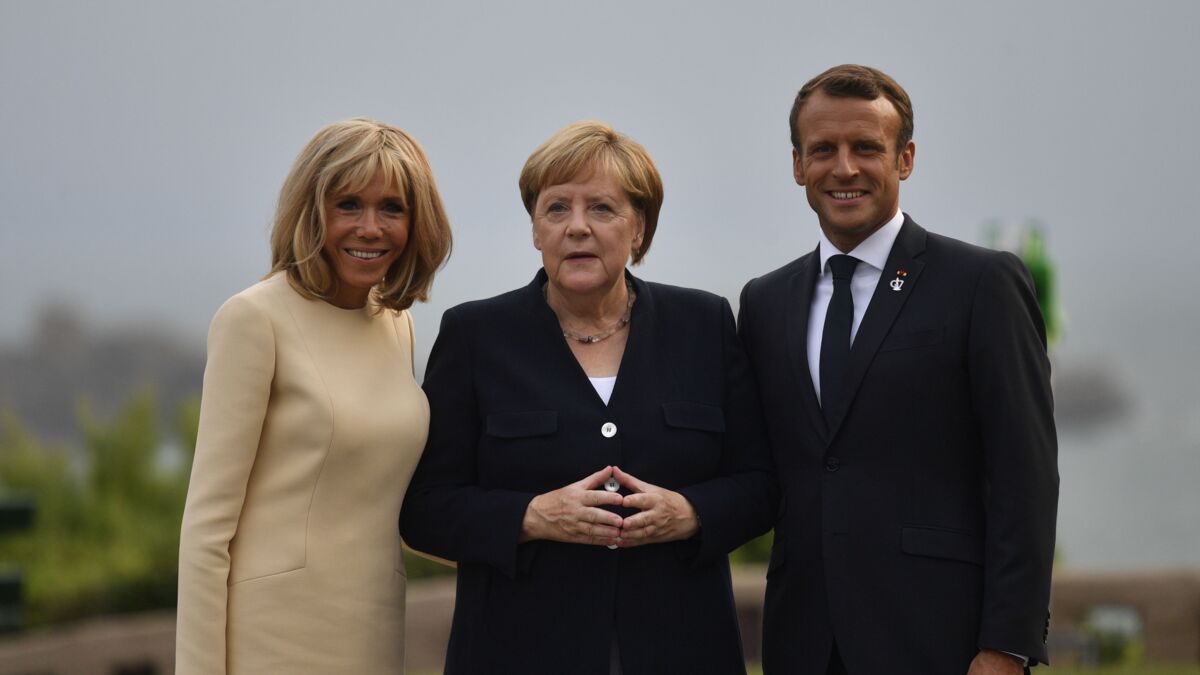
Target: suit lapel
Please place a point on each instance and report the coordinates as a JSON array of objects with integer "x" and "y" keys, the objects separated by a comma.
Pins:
[
  {"x": 642, "y": 344},
  {"x": 545, "y": 339},
  {"x": 885, "y": 306},
  {"x": 799, "y": 301}
]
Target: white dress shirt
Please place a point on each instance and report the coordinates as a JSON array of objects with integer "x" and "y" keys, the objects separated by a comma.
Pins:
[
  {"x": 604, "y": 386},
  {"x": 872, "y": 255}
]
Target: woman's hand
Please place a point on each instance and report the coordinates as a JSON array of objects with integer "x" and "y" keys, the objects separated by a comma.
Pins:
[
  {"x": 571, "y": 514},
  {"x": 664, "y": 515}
]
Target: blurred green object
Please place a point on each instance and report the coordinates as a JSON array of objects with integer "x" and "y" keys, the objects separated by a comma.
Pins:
[
  {"x": 1029, "y": 243},
  {"x": 1033, "y": 254},
  {"x": 106, "y": 536}
]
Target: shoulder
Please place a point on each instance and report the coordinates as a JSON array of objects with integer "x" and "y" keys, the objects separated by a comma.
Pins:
[
  {"x": 940, "y": 244},
  {"x": 478, "y": 319},
  {"x": 253, "y": 303},
  {"x": 497, "y": 307},
  {"x": 671, "y": 297},
  {"x": 776, "y": 279},
  {"x": 973, "y": 261},
  {"x": 247, "y": 320}
]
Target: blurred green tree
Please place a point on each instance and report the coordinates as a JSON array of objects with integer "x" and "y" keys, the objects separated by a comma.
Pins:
[{"x": 105, "y": 536}]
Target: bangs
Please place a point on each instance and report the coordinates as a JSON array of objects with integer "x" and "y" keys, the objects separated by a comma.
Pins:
[
  {"x": 358, "y": 173},
  {"x": 587, "y": 162}
]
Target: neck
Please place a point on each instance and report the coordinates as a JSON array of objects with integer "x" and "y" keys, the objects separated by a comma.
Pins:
[
  {"x": 588, "y": 311},
  {"x": 348, "y": 297}
]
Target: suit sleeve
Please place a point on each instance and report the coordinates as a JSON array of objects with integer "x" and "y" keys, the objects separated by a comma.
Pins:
[
  {"x": 446, "y": 512},
  {"x": 1010, "y": 390},
  {"x": 739, "y": 504},
  {"x": 237, "y": 386}
]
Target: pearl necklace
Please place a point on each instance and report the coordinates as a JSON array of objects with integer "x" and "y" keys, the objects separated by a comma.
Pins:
[{"x": 596, "y": 337}]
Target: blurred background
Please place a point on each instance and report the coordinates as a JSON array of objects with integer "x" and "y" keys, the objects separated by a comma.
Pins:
[{"x": 142, "y": 147}]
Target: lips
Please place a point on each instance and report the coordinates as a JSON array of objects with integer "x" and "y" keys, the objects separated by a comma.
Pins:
[
  {"x": 846, "y": 194},
  {"x": 364, "y": 254}
]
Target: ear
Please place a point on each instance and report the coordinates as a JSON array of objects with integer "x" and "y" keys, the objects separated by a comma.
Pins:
[
  {"x": 537, "y": 241},
  {"x": 905, "y": 161},
  {"x": 797, "y": 167}
]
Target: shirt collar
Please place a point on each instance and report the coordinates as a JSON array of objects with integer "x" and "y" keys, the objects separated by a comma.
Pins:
[{"x": 874, "y": 250}]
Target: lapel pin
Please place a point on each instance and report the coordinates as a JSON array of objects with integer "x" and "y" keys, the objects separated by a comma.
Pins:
[{"x": 898, "y": 282}]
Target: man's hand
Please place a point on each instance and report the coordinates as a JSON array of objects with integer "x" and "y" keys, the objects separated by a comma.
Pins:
[
  {"x": 992, "y": 662},
  {"x": 571, "y": 514},
  {"x": 663, "y": 515}
]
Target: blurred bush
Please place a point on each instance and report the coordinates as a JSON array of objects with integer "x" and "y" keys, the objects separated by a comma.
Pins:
[{"x": 105, "y": 536}]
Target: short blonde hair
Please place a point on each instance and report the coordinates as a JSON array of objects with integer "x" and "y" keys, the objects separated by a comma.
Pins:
[
  {"x": 582, "y": 147},
  {"x": 345, "y": 157}
]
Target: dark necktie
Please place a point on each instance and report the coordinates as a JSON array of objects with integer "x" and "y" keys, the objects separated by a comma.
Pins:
[{"x": 835, "y": 340}]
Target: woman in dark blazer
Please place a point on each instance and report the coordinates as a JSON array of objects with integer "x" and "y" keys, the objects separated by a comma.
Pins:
[{"x": 595, "y": 446}]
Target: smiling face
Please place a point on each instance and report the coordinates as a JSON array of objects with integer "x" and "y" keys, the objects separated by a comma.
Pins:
[
  {"x": 365, "y": 232},
  {"x": 586, "y": 230},
  {"x": 849, "y": 165}
]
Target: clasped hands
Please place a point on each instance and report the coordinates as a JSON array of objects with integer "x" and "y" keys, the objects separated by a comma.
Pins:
[{"x": 573, "y": 513}]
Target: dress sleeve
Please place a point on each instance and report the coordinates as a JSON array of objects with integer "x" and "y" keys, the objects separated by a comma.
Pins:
[
  {"x": 446, "y": 512},
  {"x": 237, "y": 386},
  {"x": 739, "y": 504}
]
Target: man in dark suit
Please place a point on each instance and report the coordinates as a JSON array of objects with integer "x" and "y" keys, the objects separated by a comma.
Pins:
[{"x": 906, "y": 388}]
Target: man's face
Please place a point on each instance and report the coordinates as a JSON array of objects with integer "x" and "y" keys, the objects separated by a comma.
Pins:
[{"x": 849, "y": 166}]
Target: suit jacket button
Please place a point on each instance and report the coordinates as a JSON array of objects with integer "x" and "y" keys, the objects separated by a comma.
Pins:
[
  {"x": 832, "y": 464},
  {"x": 608, "y": 429}
]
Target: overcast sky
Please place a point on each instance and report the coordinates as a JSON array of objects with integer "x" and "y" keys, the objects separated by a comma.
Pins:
[{"x": 142, "y": 144}]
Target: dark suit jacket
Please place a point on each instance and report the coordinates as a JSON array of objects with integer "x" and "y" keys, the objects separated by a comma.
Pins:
[
  {"x": 920, "y": 526},
  {"x": 513, "y": 415}
]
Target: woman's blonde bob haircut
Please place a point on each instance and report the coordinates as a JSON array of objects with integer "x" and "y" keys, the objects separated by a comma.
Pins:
[
  {"x": 579, "y": 149},
  {"x": 345, "y": 157}
]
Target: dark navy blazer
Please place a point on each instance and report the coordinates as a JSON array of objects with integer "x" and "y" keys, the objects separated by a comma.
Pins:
[
  {"x": 514, "y": 415},
  {"x": 919, "y": 526}
]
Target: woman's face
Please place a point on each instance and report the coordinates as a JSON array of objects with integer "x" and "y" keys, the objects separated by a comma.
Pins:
[
  {"x": 365, "y": 232},
  {"x": 586, "y": 230}
]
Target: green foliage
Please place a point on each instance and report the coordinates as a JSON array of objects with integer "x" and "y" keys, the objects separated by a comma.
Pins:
[
  {"x": 105, "y": 536},
  {"x": 1041, "y": 268}
]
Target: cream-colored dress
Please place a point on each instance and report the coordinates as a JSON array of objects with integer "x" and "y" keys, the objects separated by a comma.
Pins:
[{"x": 311, "y": 425}]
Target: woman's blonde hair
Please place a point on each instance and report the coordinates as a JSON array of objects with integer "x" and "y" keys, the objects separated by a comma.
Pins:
[
  {"x": 345, "y": 157},
  {"x": 585, "y": 146}
]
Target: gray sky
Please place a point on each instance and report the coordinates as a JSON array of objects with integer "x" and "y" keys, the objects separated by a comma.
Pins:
[{"x": 142, "y": 146}]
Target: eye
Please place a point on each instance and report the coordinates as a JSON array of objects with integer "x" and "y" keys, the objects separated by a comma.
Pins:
[
  {"x": 556, "y": 207},
  {"x": 820, "y": 149},
  {"x": 602, "y": 207},
  {"x": 346, "y": 204},
  {"x": 866, "y": 148},
  {"x": 394, "y": 208}
]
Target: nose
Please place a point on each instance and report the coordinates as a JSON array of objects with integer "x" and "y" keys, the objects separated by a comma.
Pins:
[
  {"x": 577, "y": 225},
  {"x": 844, "y": 166},
  {"x": 370, "y": 227}
]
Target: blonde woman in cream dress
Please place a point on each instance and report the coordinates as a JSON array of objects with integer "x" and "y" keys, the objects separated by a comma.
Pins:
[{"x": 311, "y": 423}]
